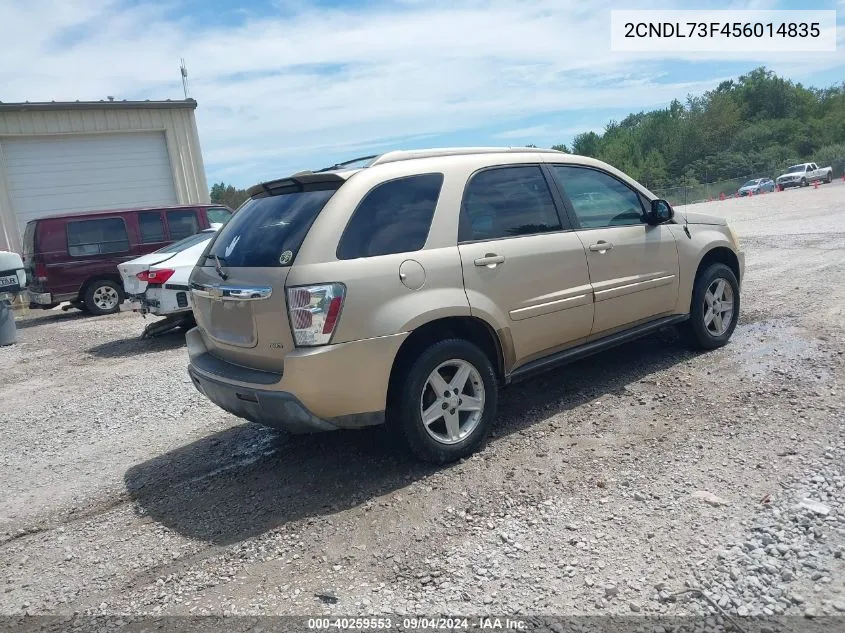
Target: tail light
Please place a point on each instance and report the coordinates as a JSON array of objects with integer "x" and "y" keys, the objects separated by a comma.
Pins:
[
  {"x": 40, "y": 272},
  {"x": 314, "y": 312},
  {"x": 158, "y": 276}
]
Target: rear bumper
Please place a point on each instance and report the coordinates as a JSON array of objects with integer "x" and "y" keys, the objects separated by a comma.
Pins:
[
  {"x": 277, "y": 409},
  {"x": 340, "y": 386}
]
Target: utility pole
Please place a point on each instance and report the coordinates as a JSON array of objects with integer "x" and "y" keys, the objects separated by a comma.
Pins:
[{"x": 184, "y": 71}]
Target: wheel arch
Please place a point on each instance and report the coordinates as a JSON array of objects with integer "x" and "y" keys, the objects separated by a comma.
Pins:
[
  {"x": 470, "y": 328},
  {"x": 719, "y": 255}
]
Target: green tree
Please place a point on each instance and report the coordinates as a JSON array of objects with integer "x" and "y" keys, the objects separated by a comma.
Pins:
[
  {"x": 754, "y": 125},
  {"x": 221, "y": 193}
]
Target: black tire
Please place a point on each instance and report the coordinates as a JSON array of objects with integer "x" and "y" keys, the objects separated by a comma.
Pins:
[
  {"x": 803, "y": 182},
  {"x": 829, "y": 178},
  {"x": 405, "y": 410},
  {"x": 93, "y": 292},
  {"x": 695, "y": 330}
]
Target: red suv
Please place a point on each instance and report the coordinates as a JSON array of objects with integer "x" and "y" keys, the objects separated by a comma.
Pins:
[{"x": 74, "y": 257}]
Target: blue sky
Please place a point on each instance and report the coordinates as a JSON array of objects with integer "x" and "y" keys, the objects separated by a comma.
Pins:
[{"x": 284, "y": 85}]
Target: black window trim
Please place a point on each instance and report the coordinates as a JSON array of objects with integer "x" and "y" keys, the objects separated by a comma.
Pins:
[
  {"x": 110, "y": 217},
  {"x": 570, "y": 209},
  {"x": 373, "y": 188},
  {"x": 557, "y": 201}
]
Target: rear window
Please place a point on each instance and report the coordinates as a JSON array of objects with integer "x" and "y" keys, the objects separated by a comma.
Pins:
[
  {"x": 97, "y": 237},
  {"x": 268, "y": 231},
  {"x": 394, "y": 217},
  {"x": 181, "y": 245}
]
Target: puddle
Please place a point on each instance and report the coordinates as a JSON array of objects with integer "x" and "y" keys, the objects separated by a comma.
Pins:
[{"x": 762, "y": 348}]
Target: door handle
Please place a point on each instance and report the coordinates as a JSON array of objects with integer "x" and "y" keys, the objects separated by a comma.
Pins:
[
  {"x": 491, "y": 260},
  {"x": 601, "y": 246}
]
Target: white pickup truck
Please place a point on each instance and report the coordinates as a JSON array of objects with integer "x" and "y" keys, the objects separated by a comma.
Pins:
[{"x": 803, "y": 174}]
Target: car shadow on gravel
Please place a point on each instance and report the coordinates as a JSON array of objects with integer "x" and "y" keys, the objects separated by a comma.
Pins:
[
  {"x": 243, "y": 481},
  {"x": 50, "y": 317},
  {"x": 136, "y": 346}
]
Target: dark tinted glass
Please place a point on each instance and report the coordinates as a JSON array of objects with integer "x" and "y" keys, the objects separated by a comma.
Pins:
[
  {"x": 507, "y": 202},
  {"x": 268, "y": 231},
  {"x": 599, "y": 199},
  {"x": 97, "y": 237},
  {"x": 152, "y": 226},
  {"x": 182, "y": 224},
  {"x": 394, "y": 217}
]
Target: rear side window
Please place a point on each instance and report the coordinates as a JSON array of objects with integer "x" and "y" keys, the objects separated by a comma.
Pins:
[
  {"x": 394, "y": 217},
  {"x": 97, "y": 237},
  {"x": 268, "y": 231},
  {"x": 507, "y": 202},
  {"x": 152, "y": 226},
  {"x": 182, "y": 223}
]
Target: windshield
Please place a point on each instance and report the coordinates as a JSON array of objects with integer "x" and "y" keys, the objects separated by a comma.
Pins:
[
  {"x": 191, "y": 240},
  {"x": 267, "y": 232},
  {"x": 795, "y": 168},
  {"x": 751, "y": 183}
]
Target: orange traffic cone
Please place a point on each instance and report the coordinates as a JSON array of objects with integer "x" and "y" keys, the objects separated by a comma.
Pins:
[
  {"x": 815, "y": 184},
  {"x": 722, "y": 196}
]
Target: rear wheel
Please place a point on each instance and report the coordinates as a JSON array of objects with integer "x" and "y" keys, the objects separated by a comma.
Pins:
[
  {"x": 829, "y": 178},
  {"x": 714, "y": 310},
  {"x": 803, "y": 182},
  {"x": 103, "y": 297},
  {"x": 446, "y": 402}
]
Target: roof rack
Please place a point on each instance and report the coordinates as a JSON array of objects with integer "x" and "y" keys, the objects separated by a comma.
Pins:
[
  {"x": 346, "y": 163},
  {"x": 399, "y": 155}
]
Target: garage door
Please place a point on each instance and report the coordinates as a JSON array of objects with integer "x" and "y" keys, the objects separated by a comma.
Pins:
[{"x": 59, "y": 174}]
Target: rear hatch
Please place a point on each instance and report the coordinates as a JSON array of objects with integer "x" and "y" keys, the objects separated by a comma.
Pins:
[
  {"x": 238, "y": 286},
  {"x": 130, "y": 270}
]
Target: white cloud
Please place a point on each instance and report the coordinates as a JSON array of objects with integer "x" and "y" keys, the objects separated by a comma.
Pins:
[{"x": 286, "y": 91}]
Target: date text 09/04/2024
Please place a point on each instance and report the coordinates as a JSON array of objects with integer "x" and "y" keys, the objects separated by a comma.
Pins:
[{"x": 724, "y": 29}]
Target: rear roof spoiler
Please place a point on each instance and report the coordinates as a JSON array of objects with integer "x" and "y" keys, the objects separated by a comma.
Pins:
[{"x": 303, "y": 181}]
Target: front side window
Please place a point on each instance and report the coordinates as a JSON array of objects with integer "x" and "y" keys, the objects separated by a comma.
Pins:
[
  {"x": 599, "y": 199},
  {"x": 218, "y": 215},
  {"x": 97, "y": 237},
  {"x": 394, "y": 217},
  {"x": 507, "y": 202},
  {"x": 182, "y": 223}
]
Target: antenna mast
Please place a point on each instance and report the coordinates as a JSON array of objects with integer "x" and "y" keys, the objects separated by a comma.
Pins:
[{"x": 184, "y": 70}]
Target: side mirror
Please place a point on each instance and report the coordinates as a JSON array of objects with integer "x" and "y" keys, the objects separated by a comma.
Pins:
[{"x": 660, "y": 212}]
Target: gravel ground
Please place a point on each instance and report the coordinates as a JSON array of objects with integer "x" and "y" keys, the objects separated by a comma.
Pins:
[{"x": 646, "y": 480}]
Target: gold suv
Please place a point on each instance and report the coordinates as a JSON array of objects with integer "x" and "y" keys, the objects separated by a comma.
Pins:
[{"x": 408, "y": 289}]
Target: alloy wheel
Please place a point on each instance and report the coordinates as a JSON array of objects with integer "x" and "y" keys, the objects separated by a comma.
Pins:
[
  {"x": 452, "y": 401},
  {"x": 718, "y": 307}
]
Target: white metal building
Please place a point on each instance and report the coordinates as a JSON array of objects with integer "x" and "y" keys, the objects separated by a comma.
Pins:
[{"x": 61, "y": 157}]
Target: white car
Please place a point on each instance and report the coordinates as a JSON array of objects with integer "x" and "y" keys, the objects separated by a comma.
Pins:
[{"x": 157, "y": 283}]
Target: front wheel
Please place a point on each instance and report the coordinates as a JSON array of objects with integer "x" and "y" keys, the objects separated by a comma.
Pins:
[
  {"x": 446, "y": 401},
  {"x": 714, "y": 310},
  {"x": 103, "y": 297}
]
